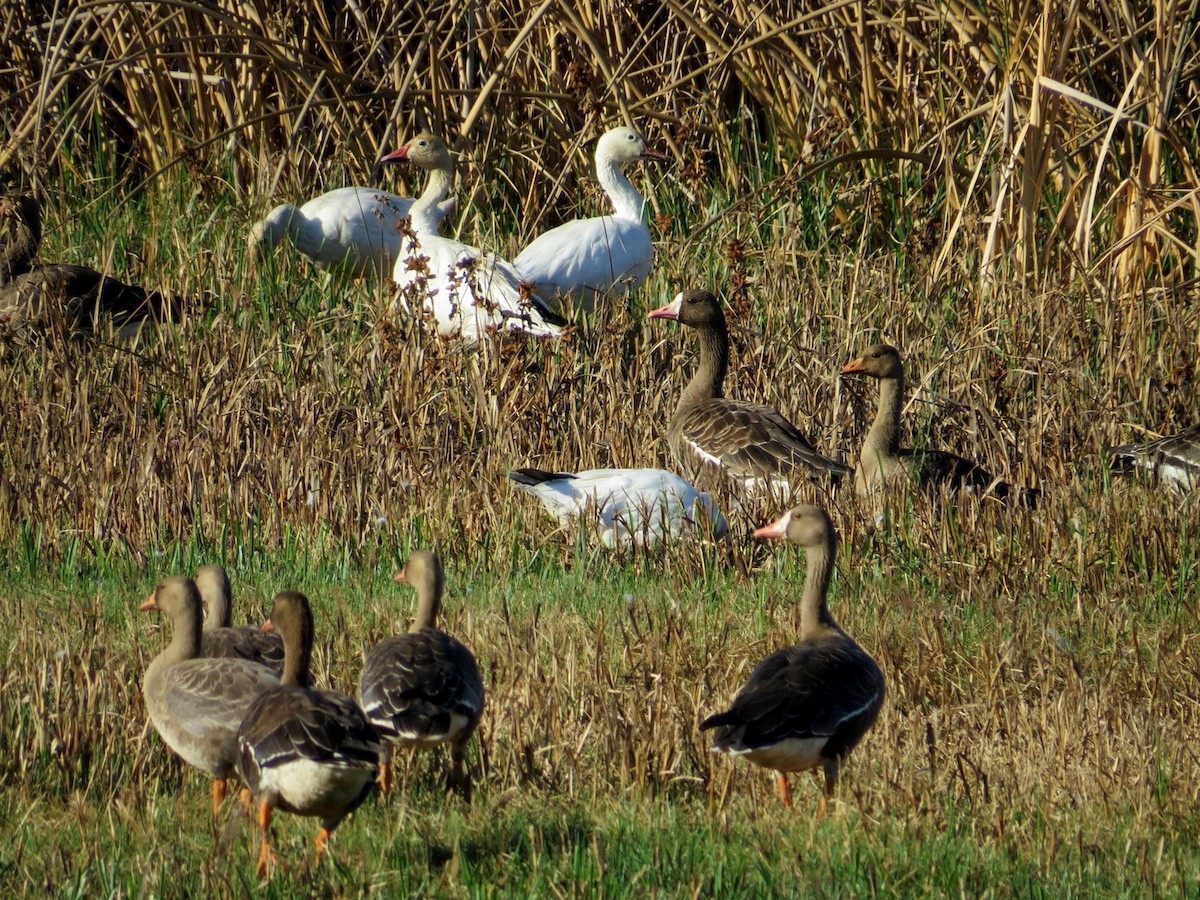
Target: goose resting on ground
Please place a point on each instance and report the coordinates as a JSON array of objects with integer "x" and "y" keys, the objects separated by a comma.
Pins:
[
  {"x": 805, "y": 706},
  {"x": 24, "y": 213},
  {"x": 195, "y": 704},
  {"x": 629, "y": 507},
  {"x": 1173, "y": 461},
  {"x": 579, "y": 260},
  {"x": 467, "y": 291},
  {"x": 753, "y": 444},
  {"x": 883, "y": 460},
  {"x": 219, "y": 639},
  {"x": 308, "y": 752},
  {"x": 423, "y": 688},
  {"x": 69, "y": 298}
]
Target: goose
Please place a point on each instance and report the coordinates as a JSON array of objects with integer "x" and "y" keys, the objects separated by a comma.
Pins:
[
  {"x": 67, "y": 297},
  {"x": 219, "y": 638},
  {"x": 20, "y": 249},
  {"x": 584, "y": 258},
  {"x": 195, "y": 704},
  {"x": 629, "y": 507},
  {"x": 808, "y": 705},
  {"x": 467, "y": 291},
  {"x": 308, "y": 752},
  {"x": 1173, "y": 461},
  {"x": 355, "y": 229},
  {"x": 882, "y": 459},
  {"x": 755, "y": 445},
  {"x": 423, "y": 688}
]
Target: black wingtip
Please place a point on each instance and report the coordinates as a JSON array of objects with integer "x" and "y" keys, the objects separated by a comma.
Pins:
[{"x": 537, "y": 476}]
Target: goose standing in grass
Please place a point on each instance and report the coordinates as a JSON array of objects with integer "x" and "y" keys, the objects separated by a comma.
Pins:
[
  {"x": 1172, "y": 461},
  {"x": 579, "y": 260},
  {"x": 354, "y": 229},
  {"x": 64, "y": 297},
  {"x": 467, "y": 291},
  {"x": 755, "y": 445},
  {"x": 219, "y": 638},
  {"x": 196, "y": 704},
  {"x": 423, "y": 688},
  {"x": 883, "y": 460},
  {"x": 308, "y": 752},
  {"x": 628, "y": 507},
  {"x": 805, "y": 706}
]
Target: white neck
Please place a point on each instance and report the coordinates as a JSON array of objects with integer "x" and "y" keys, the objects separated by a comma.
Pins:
[
  {"x": 425, "y": 213},
  {"x": 627, "y": 202}
]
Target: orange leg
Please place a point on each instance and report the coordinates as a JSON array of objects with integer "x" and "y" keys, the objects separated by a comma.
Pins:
[
  {"x": 219, "y": 787},
  {"x": 831, "y": 774},
  {"x": 244, "y": 800},
  {"x": 785, "y": 790},
  {"x": 322, "y": 838},
  {"x": 265, "y": 856},
  {"x": 385, "y": 776}
]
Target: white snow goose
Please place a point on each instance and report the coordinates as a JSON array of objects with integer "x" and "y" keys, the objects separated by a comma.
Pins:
[
  {"x": 883, "y": 460},
  {"x": 356, "y": 230},
  {"x": 423, "y": 688},
  {"x": 573, "y": 264},
  {"x": 627, "y": 507},
  {"x": 220, "y": 638},
  {"x": 1172, "y": 461},
  {"x": 754, "y": 444},
  {"x": 808, "y": 705},
  {"x": 308, "y": 752},
  {"x": 467, "y": 292},
  {"x": 196, "y": 704}
]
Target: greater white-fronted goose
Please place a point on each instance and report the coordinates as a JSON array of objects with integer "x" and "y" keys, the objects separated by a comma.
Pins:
[
  {"x": 627, "y": 507},
  {"x": 467, "y": 292},
  {"x": 423, "y": 688},
  {"x": 69, "y": 298},
  {"x": 308, "y": 752},
  {"x": 883, "y": 460},
  {"x": 806, "y": 706},
  {"x": 354, "y": 229},
  {"x": 197, "y": 704},
  {"x": 21, "y": 214},
  {"x": 579, "y": 260},
  {"x": 754, "y": 444},
  {"x": 220, "y": 638},
  {"x": 1172, "y": 461}
]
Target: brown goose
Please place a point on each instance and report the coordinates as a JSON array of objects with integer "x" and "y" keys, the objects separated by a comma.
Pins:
[
  {"x": 1172, "y": 461},
  {"x": 20, "y": 249},
  {"x": 219, "y": 638},
  {"x": 423, "y": 688},
  {"x": 196, "y": 704},
  {"x": 808, "y": 705},
  {"x": 67, "y": 297},
  {"x": 754, "y": 444},
  {"x": 882, "y": 459},
  {"x": 308, "y": 752}
]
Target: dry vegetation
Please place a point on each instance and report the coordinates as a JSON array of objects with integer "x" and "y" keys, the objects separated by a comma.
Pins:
[{"x": 959, "y": 194}]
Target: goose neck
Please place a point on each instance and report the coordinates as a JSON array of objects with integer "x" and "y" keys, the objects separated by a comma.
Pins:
[
  {"x": 884, "y": 436},
  {"x": 626, "y": 200},
  {"x": 815, "y": 618},
  {"x": 424, "y": 211},
  {"x": 709, "y": 380},
  {"x": 428, "y": 606}
]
